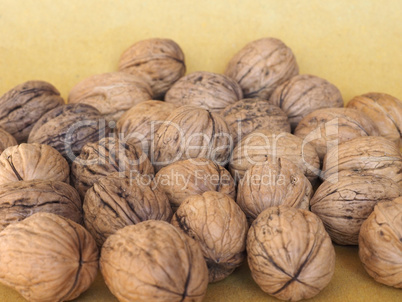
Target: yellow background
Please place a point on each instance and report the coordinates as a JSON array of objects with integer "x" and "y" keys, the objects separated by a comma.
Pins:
[{"x": 354, "y": 44}]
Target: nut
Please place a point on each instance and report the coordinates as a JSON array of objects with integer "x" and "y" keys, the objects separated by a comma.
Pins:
[{"x": 6, "y": 140}]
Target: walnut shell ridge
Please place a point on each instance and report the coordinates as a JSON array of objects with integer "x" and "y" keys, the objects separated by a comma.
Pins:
[{"x": 6, "y": 140}]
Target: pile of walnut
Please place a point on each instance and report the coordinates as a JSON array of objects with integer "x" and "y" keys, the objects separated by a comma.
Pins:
[{"x": 168, "y": 182}]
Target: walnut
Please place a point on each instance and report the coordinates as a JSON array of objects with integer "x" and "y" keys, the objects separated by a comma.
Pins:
[
  {"x": 260, "y": 145},
  {"x": 105, "y": 157},
  {"x": 385, "y": 111},
  {"x": 191, "y": 132},
  {"x": 47, "y": 258},
  {"x": 19, "y": 200},
  {"x": 24, "y": 105},
  {"x": 160, "y": 62},
  {"x": 140, "y": 123},
  {"x": 247, "y": 115},
  {"x": 272, "y": 183},
  {"x": 111, "y": 93},
  {"x": 33, "y": 161},
  {"x": 191, "y": 177},
  {"x": 68, "y": 128},
  {"x": 345, "y": 199},
  {"x": 203, "y": 89},
  {"x": 328, "y": 127},
  {"x": 261, "y": 66},
  {"x": 380, "y": 243},
  {"x": 153, "y": 261},
  {"x": 6, "y": 140},
  {"x": 289, "y": 253},
  {"x": 303, "y": 94},
  {"x": 115, "y": 202},
  {"x": 215, "y": 221}
]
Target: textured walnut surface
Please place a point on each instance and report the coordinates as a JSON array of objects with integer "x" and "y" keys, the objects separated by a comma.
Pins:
[
  {"x": 154, "y": 261},
  {"x": 289, "y": 253},
  {"x": 261, "y": 66},
  {"x": 47, "y": 258},
  {"x": 6, "y": 140}
]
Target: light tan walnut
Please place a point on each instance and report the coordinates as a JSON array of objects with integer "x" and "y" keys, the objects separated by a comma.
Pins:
[{"x": 6, "y": 140}]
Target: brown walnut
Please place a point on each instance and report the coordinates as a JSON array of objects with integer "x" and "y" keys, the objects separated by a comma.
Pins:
[{"x": 6, "y": 140}]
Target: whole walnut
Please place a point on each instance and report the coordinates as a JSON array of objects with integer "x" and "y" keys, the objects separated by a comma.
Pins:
[
  {"x": 33, "y": 161},
  {"x": 345, "y": 199},
  {"x": 24, "y": 105},
  {"x": 380, "y": 243},
  {"x": 140, "y": 123},
  {"x": 21, "y": 199},
  {"x": 6, "y": 140},
  {"x": 289, "y": 253},
  {"x": 324, "y": 128},
  {"x": 385, "y": 111},
  {"x": 191, "y": 177},
  {"x": 204, "y": 89},
  {"x": 153, "y": 261},
  {"x": 218, "y": 224},
  {"x": 191, "y": 132},
  {"x": 114, "y": 202},
  {"x": 111, "y": 93},
  {"x": 105, "y": 157},
  {"x": 160, "y": 62},
  {"x": 303, "y": 94},
  {"x": 272, "y": 183},
  {"x": 247, "y": 115},
  {"x": 260, "y": 145},
  {"x": 261, "y": 66},
  {"x": 47, "y": 258},
  {"x": 68, "y": 128}
]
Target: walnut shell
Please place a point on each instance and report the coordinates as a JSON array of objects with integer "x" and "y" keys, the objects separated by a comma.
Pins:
[
  {"x": 24, "y": 105},
  {"x": 289, "y": 253},
  {"x": 380, "y": 243},
  {"x": 247, "y": 115},
  {"x": 153, "y": 261},
  {"x": 6, "y": 140},
  {"x": 115, "y": 202},
  {"x": 303, "y": 94},
  {"x": 324, "y": 128},
  {"x": 191, "y": 177},
  {"x": 191, "y": 132},
  {"x": 160, "y": 62},
  {"x": 111, "y": 93},
  {"x": 272, "y": 183},
  {"x": 385, "y": 111},
  {"x": 203, "y": 89},
  {"x": 261, "y": 66},
  {"x": 19, "y": 200},
  {"x": 344, "y": 200},
  {"x": 218, "y": 224},
  {"x": 33, "y": 161},
  {"x": 47, "y": 258}
]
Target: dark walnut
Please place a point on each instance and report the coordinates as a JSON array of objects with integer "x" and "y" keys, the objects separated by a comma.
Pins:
[
  {"x": 303, "y": 94},
  {"x": 272, "y": 183},
  {"x": 111, "y": 93},
  {"x": 203, "y": 89},
  {"x": 380, "y": 243},
  {"x": 48, "y": 258},
  {"x": 191, "y": 177},
  {"x": 115, "y": 202},
  {"x": 218, "y": 224},
  {"x": 105, "y": 157},
  {"x": 19, "y": 200},
  {"x": 247, "y": 115},
  {"x": 324, "y": 128},
  {"x": 385, "y": 111},
  {"x": 191, "y": 132},
  {"x": 153, "y": 261},
  {"x": 33, "y": 161},
  {"x": 24, "y": 105},
  {"x": 289, "y": 253},
  {"x": 6, "y": 140},
  {"x": 261, "y": 66},
  {"x": 160, "y": 62},
  {"x": 68, "y": 128},
  {"x": 344, "y": 200}
]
